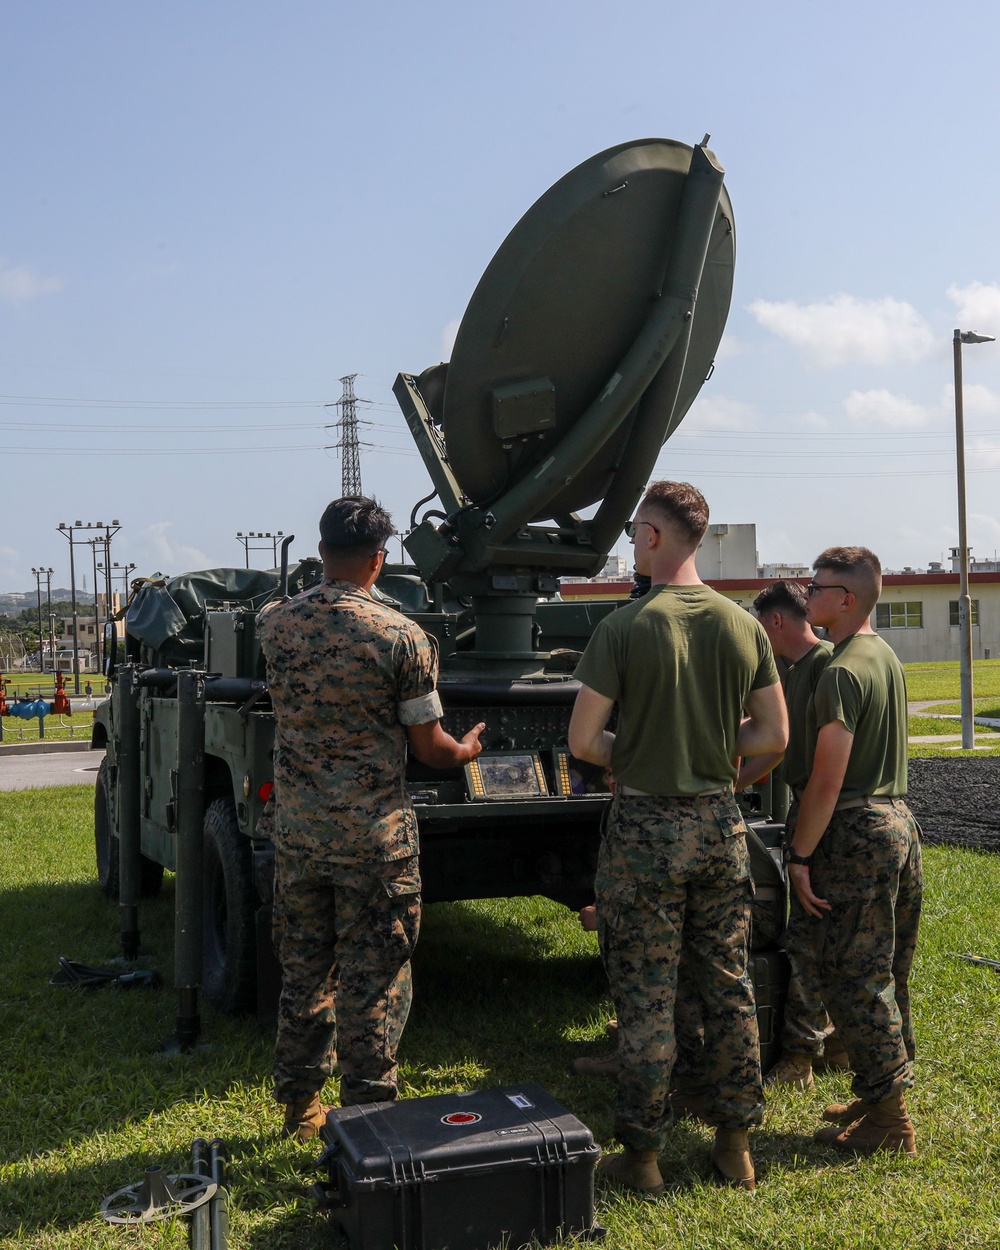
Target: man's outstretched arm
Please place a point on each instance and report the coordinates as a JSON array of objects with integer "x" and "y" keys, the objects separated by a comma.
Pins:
[{"x": 437, "y": 749}]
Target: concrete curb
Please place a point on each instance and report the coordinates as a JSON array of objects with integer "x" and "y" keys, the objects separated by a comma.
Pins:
[{"x": 43, "y": 748}]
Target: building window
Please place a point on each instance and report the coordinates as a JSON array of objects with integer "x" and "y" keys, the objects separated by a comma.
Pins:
[
  {"x": 953, "y": 612},
  {"x": 899, "y": 615}
]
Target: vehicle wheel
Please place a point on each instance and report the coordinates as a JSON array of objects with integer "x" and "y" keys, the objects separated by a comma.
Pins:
[
  {"x": 105, "y": 843},
  {"x": 229, "y": 938},
  {"x": 106, "y": 846}
]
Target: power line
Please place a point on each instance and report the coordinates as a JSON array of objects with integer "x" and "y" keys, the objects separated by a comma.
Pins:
[{"x": 62, "y": 401}]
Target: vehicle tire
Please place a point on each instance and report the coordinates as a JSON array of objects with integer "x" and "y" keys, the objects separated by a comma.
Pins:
[
  {"x": 106, "y": 846},
  {"x": 105, "y": 842},
  {"x": 229, "y": 935}
]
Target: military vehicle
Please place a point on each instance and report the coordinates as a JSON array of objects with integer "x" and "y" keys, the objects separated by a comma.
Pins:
[{"x": 582, "y": 348}]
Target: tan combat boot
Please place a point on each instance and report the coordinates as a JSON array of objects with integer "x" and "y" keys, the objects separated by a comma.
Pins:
[
  {"x": 689, "y": 1106},
  {"x": 304, "y": 1118},
  {"x": 845, "y": 1113},
  {"x": 731, "y": 1156},
  {"x": 886, "y": 1125},
  {"x": 607, "y": 1066},
  {"x": 792, "y": 1070},
  {"x": 633, "y": 1169},
  {"x": 835, "y": 1056}
]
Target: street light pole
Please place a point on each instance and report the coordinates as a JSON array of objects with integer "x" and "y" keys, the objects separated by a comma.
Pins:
[
  {"x": 964, "y": 600},
  {"x": 68, "y": 532},
  {"x": 39, "y": 574},
  {"x": 48, "y": 609}
]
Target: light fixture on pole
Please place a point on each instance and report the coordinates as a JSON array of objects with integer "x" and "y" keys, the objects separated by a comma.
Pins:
[
  {"x": 270, "y": 542},
  {"x": 69, "y": 532},
  {"x": 964, "y": 600},
  {"x": 39, "y": 574}
]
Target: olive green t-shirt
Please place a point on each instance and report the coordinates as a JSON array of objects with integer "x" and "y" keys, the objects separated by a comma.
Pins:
[
  {"x": 800, "y": 683},
  {"x": 863, "y": 687},
  {"x": 680, "y": 663}
]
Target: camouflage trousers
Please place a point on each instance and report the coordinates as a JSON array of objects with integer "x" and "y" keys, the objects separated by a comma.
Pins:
[
  {"x": 344, "y": 934},
  {"x": 868, "y": 866},
  {"x": 807, "y": 1022},
  {"x": 673, "y": 885}
]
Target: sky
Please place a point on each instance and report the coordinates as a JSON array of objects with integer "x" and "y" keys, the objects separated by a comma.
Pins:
[{"x": 211, "y": 212}]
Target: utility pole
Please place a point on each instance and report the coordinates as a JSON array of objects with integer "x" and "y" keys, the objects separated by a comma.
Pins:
[
  {"x": 39, "y": 574},
  {"x": 69, "y": 533},
  {"x": 347, "y": 443}
]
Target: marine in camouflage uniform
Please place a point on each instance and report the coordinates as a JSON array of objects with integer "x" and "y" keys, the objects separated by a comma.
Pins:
[
  {"x": 673, "y": 883},
  {"x": 349, "y": 679},
  {"x": 781, "y": 609},
  {"x": 855, "y": 858}
]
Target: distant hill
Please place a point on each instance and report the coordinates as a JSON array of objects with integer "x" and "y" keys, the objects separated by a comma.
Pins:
[{"x": 13, "y": 601}]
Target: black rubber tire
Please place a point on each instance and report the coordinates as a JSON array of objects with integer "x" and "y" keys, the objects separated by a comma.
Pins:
[
  {"x": 106, "y": 846},
  {"x": 105, "y": 843},
  {"x": 229, "y": 936}
]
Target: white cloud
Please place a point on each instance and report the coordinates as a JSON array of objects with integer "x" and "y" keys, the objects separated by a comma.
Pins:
[
  {"x": 157, "y": 553},
  {"x": 448, "y": 336},
  {"x": 730, "y": 346},
  {"x": 977, "y": 306},
  {"x": 11, "y": 572},
  {"x": 815, "y": 421},
  {"x": 716, "y": 412},
  {"x": 883, "y": 408},
  {"x": 842, "y": 329},
  {"x": 18, "y": 283},
  {"x": 977, "y": 400},
  {"x": 988, "y": 525},
  {"x": 982, "y": 457}
]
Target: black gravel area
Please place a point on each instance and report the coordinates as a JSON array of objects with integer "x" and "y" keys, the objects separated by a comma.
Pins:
[{"x": 957, "y": 801}]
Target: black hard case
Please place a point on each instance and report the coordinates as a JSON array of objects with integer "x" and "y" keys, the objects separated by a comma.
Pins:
[{"x": 402, "y": 1175}]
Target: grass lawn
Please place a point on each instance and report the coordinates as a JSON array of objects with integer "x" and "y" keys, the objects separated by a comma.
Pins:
[
  {"x": 32, "y": 684},
  {"x": 939, "y": 679},
  {"x": 57, "y": 728},
  {"x": 505, "y": 992}
]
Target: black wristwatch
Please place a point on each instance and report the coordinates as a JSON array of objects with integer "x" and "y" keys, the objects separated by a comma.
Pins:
[{"x": 792, "y": 857}]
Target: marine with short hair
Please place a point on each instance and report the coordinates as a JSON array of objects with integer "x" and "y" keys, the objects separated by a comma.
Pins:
[
  {"x": 855, "y": 859},
  {"x": 696, "y": 686},
  {"x": 807, "y": 1035},
  {"x": 353, "y": 684}
]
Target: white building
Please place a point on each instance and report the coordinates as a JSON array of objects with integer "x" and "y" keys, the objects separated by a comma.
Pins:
[{"x": 727, "y": 551}]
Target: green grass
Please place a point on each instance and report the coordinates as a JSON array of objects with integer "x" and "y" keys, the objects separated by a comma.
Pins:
[
  {"x": 926, "y": 724},
  {"x": 57, "y": 728},
  {"x": 939, "y": 679},
  {"x": 44, "y": 684},
  {"x": 504, "y": 992},
  {"x": 981, "y": 707}
]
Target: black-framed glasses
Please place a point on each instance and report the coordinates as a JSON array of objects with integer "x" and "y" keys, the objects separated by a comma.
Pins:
[
  {"x": 814, "y": 588},
  {"x": 382, "y": 551},
  {"x": 630, "y": 528}
]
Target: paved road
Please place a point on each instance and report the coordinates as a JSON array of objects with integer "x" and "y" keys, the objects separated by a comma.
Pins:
[{"x": 61, "y": 768}]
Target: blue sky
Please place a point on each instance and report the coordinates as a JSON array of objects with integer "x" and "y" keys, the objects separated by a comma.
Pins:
[{"x": 212, "y": 211}]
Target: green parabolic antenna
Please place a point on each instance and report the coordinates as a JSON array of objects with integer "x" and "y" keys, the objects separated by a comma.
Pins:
[{"x": 561, "y": 305}]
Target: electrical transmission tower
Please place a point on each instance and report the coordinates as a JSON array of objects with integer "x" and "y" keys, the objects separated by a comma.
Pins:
[{"x": 347, "y": 443}]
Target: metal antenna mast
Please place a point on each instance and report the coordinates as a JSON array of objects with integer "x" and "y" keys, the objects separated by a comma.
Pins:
[{"x": 350, "y": 459}]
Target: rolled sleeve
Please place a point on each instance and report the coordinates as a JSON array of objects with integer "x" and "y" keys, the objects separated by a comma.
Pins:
[
  {"x": 420, "y": 711},
  {"x": 417, "y": 700}
]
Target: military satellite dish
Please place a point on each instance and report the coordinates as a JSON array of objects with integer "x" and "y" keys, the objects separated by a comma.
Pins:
[{"x": 566, "y": 299}]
